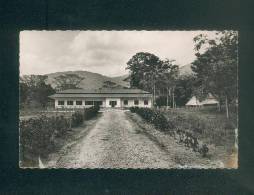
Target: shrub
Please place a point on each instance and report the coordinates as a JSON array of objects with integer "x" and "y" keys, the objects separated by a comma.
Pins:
[
  {"x": 153, "y": 116},
  {"x": 62, "y": 124},
  {"x": 159, "y": 120},
  {"x": 133, "y": 109},
  {"x": 91, "y": 112},
  {"x": 37, "y": 135},
  {"x": 204, "y": 150},
  {"x": 76, "y": 119},
  {"x": 36, "y": 138}
]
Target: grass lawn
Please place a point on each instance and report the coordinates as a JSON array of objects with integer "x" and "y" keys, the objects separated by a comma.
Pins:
[
  {"x": 37, "y": 112},
  {"x": 210, "y": 126}
]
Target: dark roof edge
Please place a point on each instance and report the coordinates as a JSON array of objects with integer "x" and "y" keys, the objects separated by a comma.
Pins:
[{"x": 107, "y": 93}]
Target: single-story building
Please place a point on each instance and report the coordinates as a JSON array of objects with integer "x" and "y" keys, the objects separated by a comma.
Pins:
[{"x": 106, "y": 97}]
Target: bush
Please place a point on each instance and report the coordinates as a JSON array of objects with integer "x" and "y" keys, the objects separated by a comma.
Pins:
[
  {"x": 204, "y": 150},
  {"x": 133, "y": 109},
  {"x": 159, "y": 120},
  {"x": 77, "y": 119},
  {"x": 37, "y": 137},
  {"x": 153, "y": 116},
  {"x": 91, "y": 112}
]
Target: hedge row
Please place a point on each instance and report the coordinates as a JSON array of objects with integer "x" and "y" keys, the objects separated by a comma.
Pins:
[
  {"x": 160, "y": 122},
  {"x": 91, "y": 112},
  {"x": 155, "y": 117},
  {"x": 37, "y": 135}
]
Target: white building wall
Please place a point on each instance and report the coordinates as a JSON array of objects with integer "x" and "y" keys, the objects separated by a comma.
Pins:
[
  {"x": 118, "y": 104},
  {"x": 105, "y": 102},
  {"x": 141, "y": 103},
  {"x": 149, "y": 104}
]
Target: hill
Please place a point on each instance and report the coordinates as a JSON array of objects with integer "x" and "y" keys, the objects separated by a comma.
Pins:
[
  {"x": 124, "y": 78},
  {"x": 95, "y": 81},
  {"x": 185, "y": 70},
  {"x": 91, "y": 80}
]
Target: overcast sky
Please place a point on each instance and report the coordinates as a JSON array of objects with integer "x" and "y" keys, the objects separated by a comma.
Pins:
[{"x": 104, "y": 52}]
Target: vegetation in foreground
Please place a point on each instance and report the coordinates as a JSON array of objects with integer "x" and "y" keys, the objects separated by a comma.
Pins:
[
  {"x": 38, "y": 135},
  {"x": 201, "y": 130}
]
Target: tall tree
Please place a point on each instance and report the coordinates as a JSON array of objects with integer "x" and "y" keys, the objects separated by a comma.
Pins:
[
  {"x": 168, "y": 81},
  {"x": 216, "y": 66},
  {"x": 23, "y": 92},
  {"x": 34, "y": 90},
  {"x": 145, "y": 70},
  {"x": 184, "y": 89}
]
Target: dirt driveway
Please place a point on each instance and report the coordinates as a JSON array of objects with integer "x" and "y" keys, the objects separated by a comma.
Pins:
[{"x": 115, "y": 140}]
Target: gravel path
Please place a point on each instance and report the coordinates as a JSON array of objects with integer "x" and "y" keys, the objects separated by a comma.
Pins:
[{"x": 117, "y": 141}]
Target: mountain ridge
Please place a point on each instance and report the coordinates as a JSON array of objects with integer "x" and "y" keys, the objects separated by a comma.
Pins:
[
  {"x": 94, "y": 80},
  {"x": 185, "y": 70},
  {"x": 91, "y": 80}
]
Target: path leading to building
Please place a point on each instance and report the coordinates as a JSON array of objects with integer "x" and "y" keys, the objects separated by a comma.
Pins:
[{"x": 115, "y": 140}]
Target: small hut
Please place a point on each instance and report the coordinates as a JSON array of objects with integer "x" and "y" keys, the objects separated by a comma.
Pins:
[
  {"x": 193, "y": 102},
  {"x": 210, "y": 101}
]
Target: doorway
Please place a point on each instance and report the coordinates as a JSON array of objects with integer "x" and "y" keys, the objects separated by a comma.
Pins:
[{"x": 112, "y": 103}]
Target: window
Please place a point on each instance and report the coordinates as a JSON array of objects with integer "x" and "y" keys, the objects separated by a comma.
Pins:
[
  {"x": 61, "y": 102},
  {"x": 136, "y": 102},
  {"x": 69, "y": 102},
  {"x": 145, "y": 102},
  {"x": 125, "y": 102},
  {"x": 78, "y": 102},
  {"x": 89, "y": 103}
]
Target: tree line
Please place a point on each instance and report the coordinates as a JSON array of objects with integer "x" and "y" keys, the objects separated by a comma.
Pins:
[
  {"x": 34, "y": 89},
  {"x": 214, "y": 72},
  {"x": 149, "y": 72}
]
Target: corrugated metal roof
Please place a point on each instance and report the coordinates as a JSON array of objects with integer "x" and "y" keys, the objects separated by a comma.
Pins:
[
  {"x": 195, "y": 102},
  {"x": 209, "y": 101},
  {"x": 103, "y": 91},
  {"x": 98, "y": 95},
  {"x": 83, "y": 93}
]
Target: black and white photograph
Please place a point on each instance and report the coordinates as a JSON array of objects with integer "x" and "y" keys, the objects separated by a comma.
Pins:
[{"x": 128, "y": 99}]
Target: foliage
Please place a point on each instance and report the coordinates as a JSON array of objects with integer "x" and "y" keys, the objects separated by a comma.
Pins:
[
  {"x": 150, "y": 73},
  {"x": 216, "y": 66},
  {"x": 91, "y": 112},
  {"x": 209, "y": 126},
  {"x": 34, "y": 90},
  {"x": 38, "y": 135},
  {"x": 140, "y": 65},
  {"x": 168, "y": 81},
  {"x": 77, "y": 119},
  {"x": 161, "y": 101},
  {"x": 153, "y": 116},
  {"x": 196, "y": 129},
  {"x": 183, "y": 89},
  {"x": 67, "y": 81}
]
